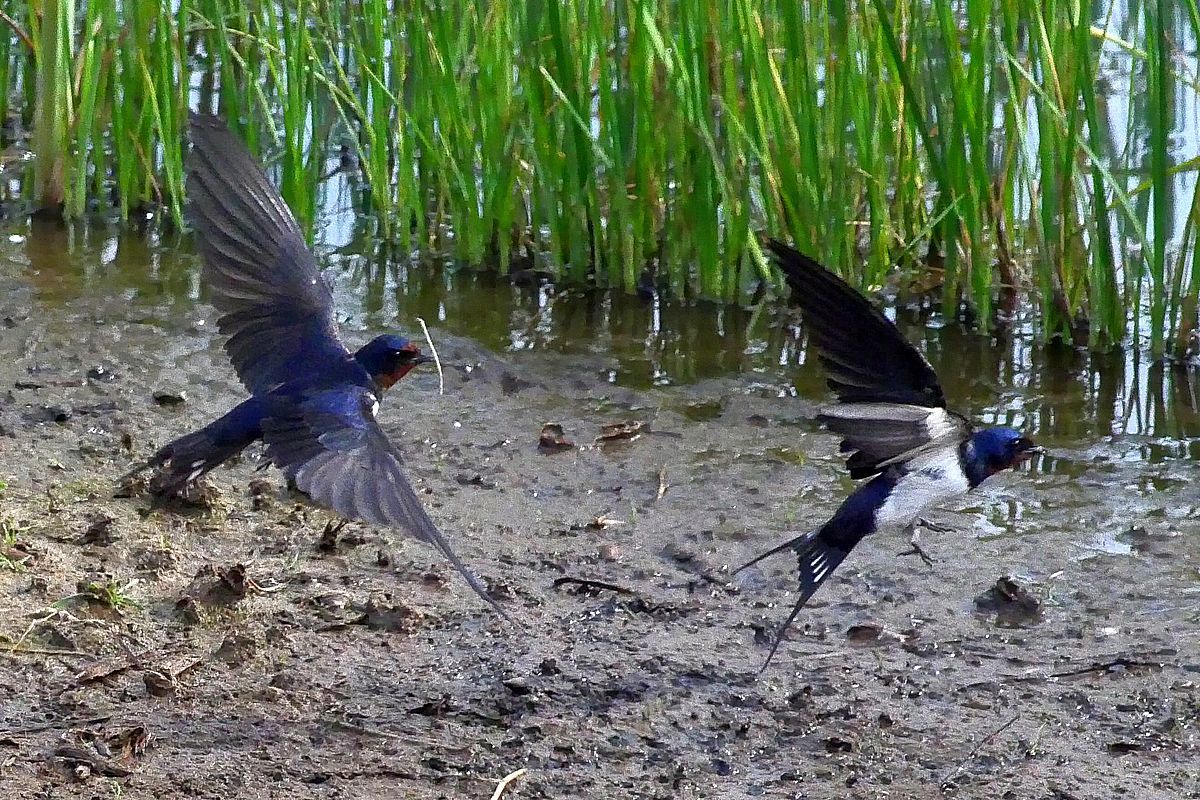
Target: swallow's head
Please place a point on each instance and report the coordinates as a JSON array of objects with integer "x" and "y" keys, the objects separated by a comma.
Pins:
[
  {"x": 1000, "y": 448},
  {"x": 389, "y": 358}
]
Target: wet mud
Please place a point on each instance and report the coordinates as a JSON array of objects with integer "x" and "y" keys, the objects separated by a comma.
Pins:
[{"x": 231, "y": 646}]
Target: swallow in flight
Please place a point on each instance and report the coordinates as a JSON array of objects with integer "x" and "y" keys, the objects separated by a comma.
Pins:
[
  {"x": 895, "y": 427},
  {"x": 312, "y": 402}
]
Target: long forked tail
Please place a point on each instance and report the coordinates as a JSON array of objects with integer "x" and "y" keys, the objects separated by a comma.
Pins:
[
  {"x": 818, "y": 557},
  {"x": 183, "y": 461}
]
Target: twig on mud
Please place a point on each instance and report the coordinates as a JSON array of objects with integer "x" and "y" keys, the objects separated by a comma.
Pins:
[
  {"x": 53, "y": 612},
  {"x": 636, "y": 604},
  {"x": 436, "y": 360},
  {"x": 662, "y": 483},
  {"x": 505, "y": 781},
  {"x": 43, "y": 651},
  {"x": 1121, "y": 661},
  {"x": 1105, "y": 666},
  {"x": 975, "y": 750},
  {"x": 588, "y": 583},
  {"x": 819, "y": 656},
  {"x": 66, "y": 724}
]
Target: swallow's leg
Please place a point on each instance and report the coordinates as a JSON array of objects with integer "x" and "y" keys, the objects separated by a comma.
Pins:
[{"x": 914, "y": 531}]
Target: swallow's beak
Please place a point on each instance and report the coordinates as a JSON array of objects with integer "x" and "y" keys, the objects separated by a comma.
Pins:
[
  {"x": 1030, "y": 451},
  {"x": 424, "y": 360}
]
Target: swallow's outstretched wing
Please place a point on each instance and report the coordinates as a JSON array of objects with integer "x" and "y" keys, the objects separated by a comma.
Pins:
[
  {"x": 867, "y": 359},
  {"x": 891, "y": 404},
  {"x": 331, "y": 445},
  {"x": 275, "y": 307}
]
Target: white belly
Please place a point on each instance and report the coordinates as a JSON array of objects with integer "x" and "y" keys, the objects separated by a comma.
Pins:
[{"x": 931, "y": 479}]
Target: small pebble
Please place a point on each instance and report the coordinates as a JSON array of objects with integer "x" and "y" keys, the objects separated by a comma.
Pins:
[{"x": 170, "y": 398}]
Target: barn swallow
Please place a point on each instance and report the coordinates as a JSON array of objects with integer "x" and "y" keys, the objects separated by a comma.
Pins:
[
  {"x": 312, "y": 403},
  {"x": 895, "y": 427}
]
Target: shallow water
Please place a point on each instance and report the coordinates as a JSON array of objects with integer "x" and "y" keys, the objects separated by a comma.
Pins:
[{"x": 1062, "y": 395}]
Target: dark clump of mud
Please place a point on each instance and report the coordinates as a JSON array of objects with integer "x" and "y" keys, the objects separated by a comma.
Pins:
[{"x": 231, "y": 647}]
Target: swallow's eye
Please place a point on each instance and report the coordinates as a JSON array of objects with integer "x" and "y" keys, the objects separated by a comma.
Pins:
[{"x": 1020, "y": 444}]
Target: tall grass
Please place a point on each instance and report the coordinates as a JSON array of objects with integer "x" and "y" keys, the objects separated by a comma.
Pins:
[{"x": 642, "y": 144}]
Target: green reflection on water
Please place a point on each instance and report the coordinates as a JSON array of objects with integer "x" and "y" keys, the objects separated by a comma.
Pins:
[{"x": 1067, "y": 397}]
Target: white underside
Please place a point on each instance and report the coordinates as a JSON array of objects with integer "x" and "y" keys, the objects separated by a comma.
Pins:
[{"x": 931, "y": 479}]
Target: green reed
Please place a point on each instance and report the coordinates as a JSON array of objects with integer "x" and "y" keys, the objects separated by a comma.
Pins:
[
  {"x": 646, "y": 143},
  {"x": 53, "y": 37}
]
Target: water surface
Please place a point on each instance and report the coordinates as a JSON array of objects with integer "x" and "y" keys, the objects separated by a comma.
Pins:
[{"x": 1066, "y": 396}]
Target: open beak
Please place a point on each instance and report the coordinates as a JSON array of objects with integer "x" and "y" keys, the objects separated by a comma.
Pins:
[{"x": 424, "y": 360}]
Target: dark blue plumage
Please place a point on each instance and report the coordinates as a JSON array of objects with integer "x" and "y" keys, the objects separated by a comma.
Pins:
[
  {"x": 312, "y": 402},
  {"x": 894, "y": 425}
]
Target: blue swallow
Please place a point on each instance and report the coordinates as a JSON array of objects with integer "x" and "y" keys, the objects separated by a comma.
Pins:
[
  {"x": 895, "y": 427},
  {"x": 312, "y": 402}
]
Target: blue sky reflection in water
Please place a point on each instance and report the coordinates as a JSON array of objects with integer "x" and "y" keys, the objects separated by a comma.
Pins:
[{"x": 1067, "y": 397}]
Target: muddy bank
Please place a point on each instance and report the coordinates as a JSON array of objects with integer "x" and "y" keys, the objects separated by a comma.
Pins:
[{"x": 225, "y": 649}]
